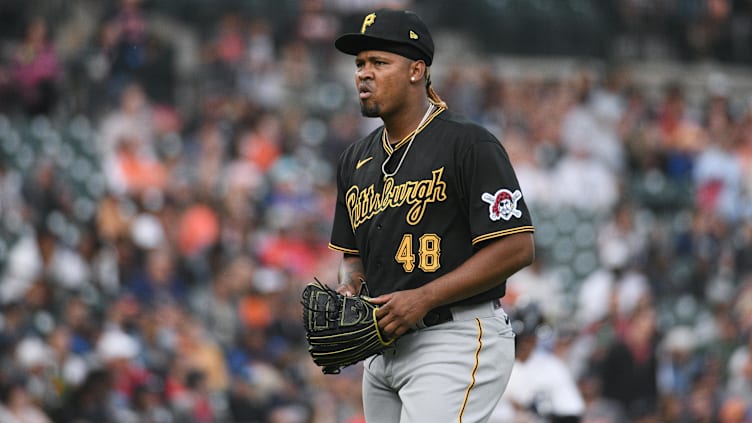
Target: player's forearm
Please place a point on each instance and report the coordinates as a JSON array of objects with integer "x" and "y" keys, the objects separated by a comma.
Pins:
[
  {"x": 351, "y": 272},
  {"x": 483, "y": 271}
]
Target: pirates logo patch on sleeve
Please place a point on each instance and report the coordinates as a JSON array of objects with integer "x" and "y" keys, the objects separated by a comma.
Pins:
[{"x": 502, "y": 204}]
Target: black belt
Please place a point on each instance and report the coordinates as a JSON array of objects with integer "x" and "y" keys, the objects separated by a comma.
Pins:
[
  {"x": 437, "y": 316},
  {"x": 441, "y": 315}
]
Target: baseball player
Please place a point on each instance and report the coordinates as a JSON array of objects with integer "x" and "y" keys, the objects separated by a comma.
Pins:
[
  {"x": 430, "y": 215},
  {"x": 541, "y": 387}
]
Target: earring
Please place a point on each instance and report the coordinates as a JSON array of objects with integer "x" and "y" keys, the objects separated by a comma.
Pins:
[{"x": 412, "y": 79}]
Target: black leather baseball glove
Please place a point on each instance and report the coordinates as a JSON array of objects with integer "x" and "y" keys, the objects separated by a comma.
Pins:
[{"x": 340, "y": 330}]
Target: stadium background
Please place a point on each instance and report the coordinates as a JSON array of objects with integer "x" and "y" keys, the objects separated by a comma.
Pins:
[{"x": 166, "y": 190}]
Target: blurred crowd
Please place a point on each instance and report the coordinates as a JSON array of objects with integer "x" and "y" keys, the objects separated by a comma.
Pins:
[{"x": 166, "y": 191}]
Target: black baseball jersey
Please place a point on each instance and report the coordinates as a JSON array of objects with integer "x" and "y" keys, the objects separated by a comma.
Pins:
[{"x": 455, "y": 190}]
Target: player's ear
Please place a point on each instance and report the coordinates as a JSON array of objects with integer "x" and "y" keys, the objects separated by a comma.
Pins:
[{"x": 417, "y": 70}]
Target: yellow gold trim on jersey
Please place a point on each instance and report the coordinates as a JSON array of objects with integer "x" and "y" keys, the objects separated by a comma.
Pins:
[
  {"x": 342, "y": 249},
  {"x": 389, "y": 148},
  {"x": 363, "y": 204},
  {"x": 474, "y": 372},
  {"x": 498, "y": 234}
]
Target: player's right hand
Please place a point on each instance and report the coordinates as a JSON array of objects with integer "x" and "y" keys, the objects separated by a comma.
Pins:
[{"x": 400, "y": 311}]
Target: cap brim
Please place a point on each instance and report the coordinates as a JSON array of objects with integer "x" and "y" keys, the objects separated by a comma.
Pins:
[{"x": 355, "y": 43}]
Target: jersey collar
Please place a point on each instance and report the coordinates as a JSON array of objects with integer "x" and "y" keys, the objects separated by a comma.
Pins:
[{"x": 389, "y": 148}]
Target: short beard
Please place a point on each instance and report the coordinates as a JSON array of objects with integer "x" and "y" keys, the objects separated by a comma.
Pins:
[{"x": 372, "y": 111}]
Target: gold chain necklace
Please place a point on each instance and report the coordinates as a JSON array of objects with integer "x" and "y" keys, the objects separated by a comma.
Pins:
[{"x": 410, "y": 143}]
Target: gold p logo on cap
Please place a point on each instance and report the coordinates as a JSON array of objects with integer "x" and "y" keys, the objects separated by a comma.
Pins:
[
  {"x": 368, "y": 21},
  {"x": 413, "y": 36}
]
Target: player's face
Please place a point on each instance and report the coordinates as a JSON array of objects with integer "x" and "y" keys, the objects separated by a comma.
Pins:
[{"x": 382, "y": 81}]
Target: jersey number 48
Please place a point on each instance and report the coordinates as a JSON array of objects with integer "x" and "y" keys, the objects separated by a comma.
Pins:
[{"x": 429, "y": 250}]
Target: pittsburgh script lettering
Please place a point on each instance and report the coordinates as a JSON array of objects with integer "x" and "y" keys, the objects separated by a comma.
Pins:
[{"x": 364, "y": 204}]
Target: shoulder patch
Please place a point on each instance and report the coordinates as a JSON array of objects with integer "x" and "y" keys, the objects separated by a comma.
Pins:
[{"x": 502, "y": 204}]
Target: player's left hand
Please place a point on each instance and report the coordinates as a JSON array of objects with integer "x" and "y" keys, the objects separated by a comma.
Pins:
[{"x": 400, "y": 311}]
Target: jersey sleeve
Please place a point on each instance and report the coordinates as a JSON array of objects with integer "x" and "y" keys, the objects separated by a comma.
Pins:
[
  {"x": 496, "y": 204},
  {"x": 343, "y": 238}
]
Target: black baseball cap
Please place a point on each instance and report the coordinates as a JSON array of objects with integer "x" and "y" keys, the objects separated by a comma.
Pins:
[{"x": 396, "y": 31}]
